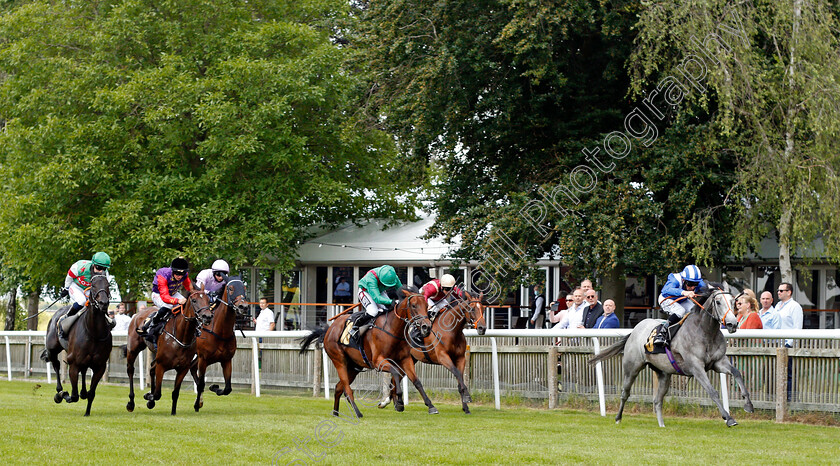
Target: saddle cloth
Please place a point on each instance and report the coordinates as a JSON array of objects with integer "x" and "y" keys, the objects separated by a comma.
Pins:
[
  {"x": 345, "y": 336},
  {"x": 650, "y": 348}
]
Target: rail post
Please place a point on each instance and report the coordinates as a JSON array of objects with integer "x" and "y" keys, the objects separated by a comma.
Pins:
[
  {"x": 552, "y": 377},
  {"x": 599, "y": 378},
  {"x": 495, "y": 361},
  {"x": 781, "y": 383}
]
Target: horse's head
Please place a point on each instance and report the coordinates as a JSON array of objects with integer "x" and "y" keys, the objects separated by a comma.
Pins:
[
  {"x": 720, "y": 305},
  {"x": 415, "y": 312},
  {"x": 234, "y": 295},
  {"x": 476, "y": 313},
  {"x": 198, "y": 306},
  {"x": 100, "y": 293}
]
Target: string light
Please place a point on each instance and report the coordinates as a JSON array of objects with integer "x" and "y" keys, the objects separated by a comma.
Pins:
[{"x": 417, "y": 250}]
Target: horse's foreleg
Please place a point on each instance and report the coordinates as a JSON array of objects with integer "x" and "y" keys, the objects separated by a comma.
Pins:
[
  {"x": 696, "y": 370},
  {"x": 725, "y": 367},
  {"x": 392, "y": 393},
  {"x": 94, "y": 381},
  {"x": 664, "y": 380},
  {"x": 226, "y": 371},
  {"x": 198, "y": 370},
  {"x": 73, "y": 371},
  {"x": 59, "y": 389},
  {"x": 83, "y": 393},
  {"x": 129, "y": 369},
  {"x": 346, "y": 377},
  {"x": 179, "y": 377},
  {"x": 408, "y": 367}
]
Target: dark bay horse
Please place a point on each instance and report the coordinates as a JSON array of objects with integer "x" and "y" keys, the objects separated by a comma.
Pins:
[
  {"x": 176, "y": 347},
  {"x": 88, "y": 344},
  {"x": 385, "y": 345},
  {"x": 446, "y": 345},
  {"x": 697, "y": 347},
  {"x": 218, "y": 342}
]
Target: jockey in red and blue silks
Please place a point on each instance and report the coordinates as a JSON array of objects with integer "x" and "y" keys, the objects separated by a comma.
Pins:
[
  {"x": 165, "y": 294},
  {"x": 439, "y": 292},
  {"x": 677, "y": 298}
]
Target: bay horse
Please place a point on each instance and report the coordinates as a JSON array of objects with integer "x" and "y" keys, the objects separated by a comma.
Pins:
[
  {"x": 176, "y": 347},
  {"x": 698, "y": 347},
  {"x": 218, "y": 342},
  {"x": 386, "y": 345},
  {"x": 447, "y": 346},
  {"x": 89, "y": 344}
]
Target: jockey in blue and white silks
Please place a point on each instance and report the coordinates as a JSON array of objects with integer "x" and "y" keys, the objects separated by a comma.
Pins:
[{"x": 677, "y": 298}]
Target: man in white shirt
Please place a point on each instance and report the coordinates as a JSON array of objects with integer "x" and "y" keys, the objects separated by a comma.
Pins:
[
  {"x": 574, "y": 315},
  {"x": 121, "y": 319},
  {"x": 769, "y": 317},
  {"x": 265, "y": 320},
  {"x": 790, "y": 312}
]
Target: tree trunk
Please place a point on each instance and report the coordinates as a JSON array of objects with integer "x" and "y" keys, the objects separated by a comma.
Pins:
[
  {"x": 784, "y": 245},
  {"x": 614, "y": 287},
  {"x": 32, "y": 310},
  {"x": 11, "y": 310}
]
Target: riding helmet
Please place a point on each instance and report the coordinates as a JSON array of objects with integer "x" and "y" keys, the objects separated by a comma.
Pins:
[
  {"x": 180, "y": 265},
  {"x": 101, "y": 259},
  {"x": 388, "y": 276},
  {"x": 447, "y": 281},
  {"x": 220, "y": 266},
  {"x": 691, "y": 273}
]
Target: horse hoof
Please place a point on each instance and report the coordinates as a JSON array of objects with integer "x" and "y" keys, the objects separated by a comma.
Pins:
[
  {"x": 148, "y": 396},
  {"x": 83, "y": 395},
  {"x": 150, "y": 404},
  {"x": 731, "y": 422},
  {"x": 335, "y": 413},
  {"x": 749, "y": 407},
  {"x": 129, "y": 407},
  {"x": 399, "y": 408},
  {"x": 384, "y": 403},
  {"x": 57, "y": 398},
  {"x": 467, "y": 411},
  {"x": 433, "y": 410}
]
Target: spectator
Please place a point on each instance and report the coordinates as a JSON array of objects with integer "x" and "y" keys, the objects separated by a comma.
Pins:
[
  {"x": 586, "y": 285},
  {"x": 538, "y": 317},
  {"x": 342, "y": 292},
  {"x": 609, "y": 319},
  {"x": 790, "y": 312},
  {"x": 750, "y": 293},
  {"x": 769, "y": 316},
  {"x": 574, "y": 315},
  {"x": 560, "y": 307},
  {"x": 593, "y": 310},
  {"x": 121, "y": 319},
  {"x": 265, "y": 320},
  {"x": 747, "y": 312}
]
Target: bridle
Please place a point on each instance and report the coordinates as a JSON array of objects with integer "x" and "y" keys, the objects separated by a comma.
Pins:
[
  {"x": 714, "y": 296},
  {"x": 413, "y": 318},
  {"x": 194, "y": 306},
  {"x": 93, "y": 298}
]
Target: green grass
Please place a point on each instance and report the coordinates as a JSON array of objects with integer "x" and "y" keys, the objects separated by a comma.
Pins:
[{"x": 242, "y": 429}]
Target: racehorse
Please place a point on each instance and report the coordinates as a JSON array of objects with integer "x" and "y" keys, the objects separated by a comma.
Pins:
[
  {"x": 218, "y": 343},
  {"x": 386, "y": 345},
  {"x": 698, "y": 347},
  {"x": 88, "y": 344},
  {"x": 446, "y": 345},
  {"x": 176, "y": 347}
]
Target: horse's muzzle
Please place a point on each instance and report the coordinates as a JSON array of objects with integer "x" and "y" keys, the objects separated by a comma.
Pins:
[
  {"x": 481, "y": 329},
  {"x": 425, "y": 328},
  {"x": 731, "y": 327}
]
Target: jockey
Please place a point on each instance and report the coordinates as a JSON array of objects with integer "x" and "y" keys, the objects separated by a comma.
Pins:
[
  {"x": 373, "y": 295},
  {"x": 677, "y": 298},
  {"x": 165, "y": 295},
  {"x": 214, "y": 279},
  {"x": 437, "y": 293},
  {"x": 77, "y": 281}
]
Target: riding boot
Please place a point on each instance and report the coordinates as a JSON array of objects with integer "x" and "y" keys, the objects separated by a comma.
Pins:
[
  {"x": 74, "y": 309},
  {"x": 363, "y": 320}
]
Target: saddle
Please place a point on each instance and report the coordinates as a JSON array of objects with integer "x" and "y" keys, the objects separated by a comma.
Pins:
[
  {"x": 65, "y": 324},
  {"x": 651, "y": 348},
  {"x": 348, "y": 325}
]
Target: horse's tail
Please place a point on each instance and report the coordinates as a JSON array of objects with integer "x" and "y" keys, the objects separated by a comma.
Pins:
[
  {"x": 613, "y": 350},
  {"x": 124, "y": 351},
  {"x": 316, "y": 334},
  {"x": 45, "y": 355}
]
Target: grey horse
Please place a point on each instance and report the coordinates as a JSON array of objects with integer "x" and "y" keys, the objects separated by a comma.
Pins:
[{"x": 698, "y": 347}]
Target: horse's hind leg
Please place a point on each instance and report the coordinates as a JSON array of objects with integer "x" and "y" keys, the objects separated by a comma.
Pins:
[
  {"x": 723, "y": 366},
  {"x": 631, "y": 371},
  {"x": 94, "y": 381},
  {"x": 59, "y": 389},
  {"x": 664, "y": 380},
  {"x": 129, "y": 369}
]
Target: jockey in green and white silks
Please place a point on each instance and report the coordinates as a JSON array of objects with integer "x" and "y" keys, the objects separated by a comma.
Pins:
[
  {"x": 79, "y": 276},
  {"x": 373, "y": 295}
]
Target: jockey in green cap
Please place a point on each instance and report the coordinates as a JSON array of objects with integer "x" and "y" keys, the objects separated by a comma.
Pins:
[
  {"x": 373, "y": 295},
  {"x": 77, "y": 281}
]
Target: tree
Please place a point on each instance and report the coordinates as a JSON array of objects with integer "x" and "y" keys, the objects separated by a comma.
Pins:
[
  {"x": 197, "y": 128},
  {"x": 503, "y": 98},
  {"x": 772, "y": 74}
]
